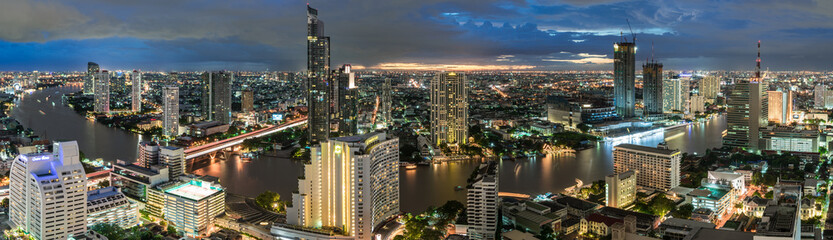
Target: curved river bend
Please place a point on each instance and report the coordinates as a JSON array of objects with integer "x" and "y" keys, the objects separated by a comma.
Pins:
[{"x": 426, "y": 186}]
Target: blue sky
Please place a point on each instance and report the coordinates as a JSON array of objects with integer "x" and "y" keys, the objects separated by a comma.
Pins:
[{"x": 492, "y": 34}]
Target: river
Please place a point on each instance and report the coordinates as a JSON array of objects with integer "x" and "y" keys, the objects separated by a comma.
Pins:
[{"x": 420, "y": 188}]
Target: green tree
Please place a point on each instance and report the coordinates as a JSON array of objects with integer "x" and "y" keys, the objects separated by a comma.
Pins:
[
  {"x": 583, "y": 127},
  {"x": 172, "y": 230},
  {"x": 4, "y": 203},
  {"x": 684, "y": 211},
  {"x": 546, "y": 233},
  {"x": 104, "y": 184},
  {"x": 270, "y": 201}
]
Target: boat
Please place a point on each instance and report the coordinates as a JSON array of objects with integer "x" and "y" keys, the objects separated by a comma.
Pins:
[{"x": 408, "y": 166}]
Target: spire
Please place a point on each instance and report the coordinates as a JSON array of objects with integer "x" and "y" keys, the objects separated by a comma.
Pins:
[{"x": 758, "y": 63}]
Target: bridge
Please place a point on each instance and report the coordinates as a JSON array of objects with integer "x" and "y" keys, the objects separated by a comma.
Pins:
[{"x": 202, "y": 150}]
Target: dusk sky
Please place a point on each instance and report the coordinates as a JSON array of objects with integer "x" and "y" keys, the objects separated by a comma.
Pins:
[{"x": 199, "y": 35}]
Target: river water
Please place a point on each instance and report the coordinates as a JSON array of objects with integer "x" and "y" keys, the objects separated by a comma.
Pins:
[{"x": 420, "y": 188}]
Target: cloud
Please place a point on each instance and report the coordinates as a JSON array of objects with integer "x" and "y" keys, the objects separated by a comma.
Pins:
[
  {"x": 36, "y": 21},
  {"x": 449, "y": 67}
]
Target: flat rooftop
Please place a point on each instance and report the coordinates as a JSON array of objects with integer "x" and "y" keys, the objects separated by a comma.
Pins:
[
  {"x": 641, "y": 148},
  {"x": 713, "y": 193},
  {"x": 192, "y": 191}
]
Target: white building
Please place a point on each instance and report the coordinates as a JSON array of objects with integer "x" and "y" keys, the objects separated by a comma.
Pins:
[
  {"x": 482, "y": 202},
  {"x": 170, "y": 111},
  {"x": 658, "y": 168},
  {"x": 351, "y": 183},
  {"x": 109, "y": 205},
  {"x": 620, "y": 189},
  {"x": 102, "y": 92},
  {"x": 136, "y": 93},
  {"x": 48, "y": 193},
  {"x": 735, "y": 180},
  {"x": 192, "y": 206},
  {"x": 823, "y": 97}
]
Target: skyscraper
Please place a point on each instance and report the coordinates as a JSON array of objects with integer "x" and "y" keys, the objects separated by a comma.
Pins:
[
  {"x": 780, "y": 106},
  {"x": 48, "y": 193},
  {"x": 344, "y": 100},
  {"x": 136, "y": 92},
  {"x": 89, "y": 80},
  {"x": 657, "y": 168},
  {"x": 351, "y": 183},
  {"x": 216, "y": 96},
  {"x": 170, "y": 111},
  {"x": 624, "y": 85},
  {"x": 674, "y": 92},
  {"x": 449, "y": 108},
  {"x": 318, "y": 82},
  {"x": 482, "y": 202},
  {"x": 385, "y": 104},
  {"x": 709, "y": 87},
  {"x": 102, "y": 92},
  {"x": 247, "y": 101},
  {"x": 652, "y": 87},
  {"x": 747, "y": 111}
]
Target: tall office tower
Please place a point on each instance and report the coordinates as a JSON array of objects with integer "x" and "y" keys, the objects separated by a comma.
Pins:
[
  {"x": 148, "y": 154},
  {"x": 747, "y": 112},
  {"x": 174, "y": 159},
  {"x": 657, "y": 168},
  {"x": 109, "y": 205},
  {"x": 697, "y": 104},
  {"x": 216, "y": 96},
  {"x": 118, "y": 82},
  {"x": 482, "y": 202},
  {"x": 136, "y": 92},
  {"x": 48, "y": 193},
  {"x": 351, "y": 183},
  {"x": 624, "y": 85},
  {"x": 344, "y": 100},
  {"x": 385, "y": 104},
  {"x": 819, "y": 93},
  {"x": 620, "y": 189},
  {"x": 709, "y": 87},
  {"x": 89, "y": 79},
  {"x": 170, "y": 111},
  {"x": 33, "y": 79},
  {"x": 674, "y": 92},
  {"x": 102, "y": 92},
  {"x": 247, "y": 101},
  {"x": 449, "y": 108},
  {"x": 780, "y": 106},
  {"x": 652, "y": 87},
  {"x": 318, "y": 70}
]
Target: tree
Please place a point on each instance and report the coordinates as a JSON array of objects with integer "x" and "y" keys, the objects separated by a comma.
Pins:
[
  {"x": 172, "y": 230},
  {"x": 583, "y": 127},
  {"x": 270, "y": 201},
  {"x": 768, "y": 195},
  {"x": 546, "y": 233},
  {"x": 4, "y": 203},
  {"x": 104, "y": 184},
  {"x": 684, "y": 211}
]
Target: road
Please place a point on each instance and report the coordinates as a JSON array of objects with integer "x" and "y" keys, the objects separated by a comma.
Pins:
[{"x": 201, "y": 150}]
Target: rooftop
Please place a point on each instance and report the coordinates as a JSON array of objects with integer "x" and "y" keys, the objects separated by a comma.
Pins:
[
  {"x": 717, "y": 234},
  {"x": 641, "y": 148},
  {"x": 712, "y": 192},
  {"x": 194, "y": 190}
]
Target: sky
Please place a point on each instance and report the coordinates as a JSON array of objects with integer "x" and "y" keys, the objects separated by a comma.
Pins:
[{"x": 197, "y": 35}]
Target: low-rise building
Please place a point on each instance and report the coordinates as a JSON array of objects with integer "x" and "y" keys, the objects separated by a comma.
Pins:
[
  {"x": 754, "y": 206},
  {"x": 577, "y": 207},
  {"x": 192, "y": 206},
  {"x": 203, "y": 129},
  {"x": 779, "y": 222},
  {"x": 715, "y": 197},
  {"x": 678, "y": 229},
  {"x": 108, "y": 205},
  {"x": 597, "y": 224}
]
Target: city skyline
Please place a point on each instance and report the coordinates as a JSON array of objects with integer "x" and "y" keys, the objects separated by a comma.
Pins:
[{"x": 496, "y": 35}]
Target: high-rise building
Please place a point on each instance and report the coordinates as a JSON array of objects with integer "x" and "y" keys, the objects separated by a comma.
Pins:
[
  {"x": 344, "y": 100},
  {"x": 170, "y": 111},
  {"x": 247, "y": 100},
  {"x": 48, "y": 193},
  {"x": 482, "y": 202},
  {"x": 351, "y": 183},
  {"x": 624, "y": 75},
  {"x": 657, "y": 168},
  {"x": 148, "y": 154},
  {"x": 620, "y": 189},
  {"x": 216, "y": 96},
  {"x": 697, "y": 104},
  {"x": 137, "y": 183},
  {"x": 136, "y": 92},
  {"x": 780, "y": 106},
  {"x": 89, "y": 79},
  {"x": 191, "y": 206},
  {"x": 174, "y": 159},
  {"x": 385, "y": 116},
  {"x": 652, "y": 88},
  {"x": 32, "y": 81},
  {"x": 318, "y": 78},
  {"x": 674, "y": 94},
  {"x": 102, "y": 92},
  {"x": 709, "y": 87},
  {"x": 118, "y": 82},
  {"x": 746, "y": 113},
  {"x": 109, "y": 205},
  {"x": 823, "y": 97},
  {"x": 449, "y": 108}
]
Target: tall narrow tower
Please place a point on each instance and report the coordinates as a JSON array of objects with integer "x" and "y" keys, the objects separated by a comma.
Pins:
[
  {"x": 624, "y": 85},
  {"x": 318, "y": 74},
  {"x": 136, "y": 92},
  {"x": 652, "y": 86},
  {"x": 747, "y": 111}
]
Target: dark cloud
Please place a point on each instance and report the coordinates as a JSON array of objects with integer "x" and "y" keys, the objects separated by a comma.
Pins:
[{"x": 260, "y": 34}]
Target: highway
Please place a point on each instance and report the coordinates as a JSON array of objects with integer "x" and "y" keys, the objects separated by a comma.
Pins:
[{"x": 198, "y": 151}]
